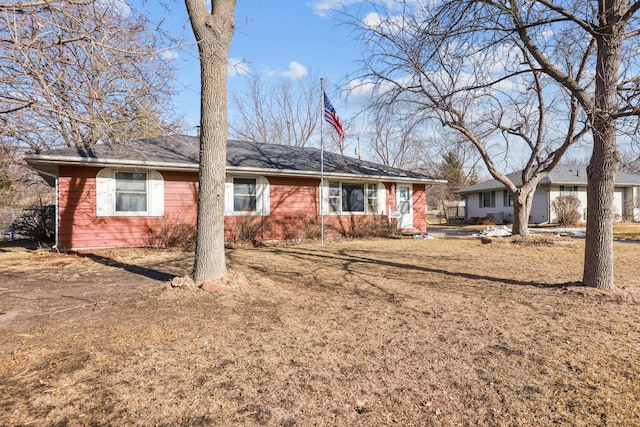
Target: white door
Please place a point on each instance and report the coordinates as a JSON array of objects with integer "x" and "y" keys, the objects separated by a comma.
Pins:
[
  {"x": 405, "y": 206},
  {"x": 618, "y": 204}
]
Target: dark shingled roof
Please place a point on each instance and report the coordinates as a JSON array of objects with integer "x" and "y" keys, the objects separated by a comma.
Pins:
[
  {"x": 182, "y": 152},
  {"x": 561, "y": 175}
]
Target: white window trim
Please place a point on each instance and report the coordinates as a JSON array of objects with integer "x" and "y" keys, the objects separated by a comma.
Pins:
[
  {"x": 569, "y": 190},
  {"x": 492, "y": 201},
  {"x": 507, "y": 199},
  {"x": 382, "y": 198},
  {"x": 263, "y": 204},
  {"x": 106, "y": 193}
]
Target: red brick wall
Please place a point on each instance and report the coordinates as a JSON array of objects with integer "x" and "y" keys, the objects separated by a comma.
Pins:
[{"x": 419, "y": 207}]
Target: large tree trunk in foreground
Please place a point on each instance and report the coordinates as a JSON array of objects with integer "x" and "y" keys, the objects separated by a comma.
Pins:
[
  {"x": 601, "y": 172},
  {"x": 598, "y": 256},
  {"x": 213, "y": 33}
]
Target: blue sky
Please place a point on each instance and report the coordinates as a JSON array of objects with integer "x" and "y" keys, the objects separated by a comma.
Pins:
[{"x": 286, "y": 38}]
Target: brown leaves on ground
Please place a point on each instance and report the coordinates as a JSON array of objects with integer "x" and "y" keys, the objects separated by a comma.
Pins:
[{"x": 388, "y": 332}]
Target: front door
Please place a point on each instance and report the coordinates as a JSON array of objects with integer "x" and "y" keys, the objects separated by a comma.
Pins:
[{"x": 405, "y": 206}]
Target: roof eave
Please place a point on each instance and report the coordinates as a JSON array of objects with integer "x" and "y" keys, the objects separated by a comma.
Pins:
[
  {"x": 335, "y": 175},
  {"x": 62, "y": 160},
  {"x": 36, "y": 161}
]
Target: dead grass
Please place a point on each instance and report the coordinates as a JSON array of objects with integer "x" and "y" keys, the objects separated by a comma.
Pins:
[
  {"x": 389, "y": 332},
  {"x": 627, "y": 230}
]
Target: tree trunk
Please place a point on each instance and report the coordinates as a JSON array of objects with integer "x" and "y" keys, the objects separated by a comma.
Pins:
[
  {"x": 601, "y": 172},
  {"x": 210, "y": 263},
  {"x": 522, "y": 201},
  {"x": 213, "y": 33}
]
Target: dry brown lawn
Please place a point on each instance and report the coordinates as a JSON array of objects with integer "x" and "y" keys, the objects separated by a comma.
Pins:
[
  {"x": 355, "y": 333},
  {"x": 627, "y": 230}
]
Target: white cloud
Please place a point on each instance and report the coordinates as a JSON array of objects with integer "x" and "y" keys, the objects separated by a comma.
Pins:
[
  {"x": 360, "y": 90},
  {"x": 169, "y": 55},
  {"x": 324, "y": 7},
  {"x": 237, "y": 67},
  {"x": 373, "y": 19},
  {"x": 295, "y": 71},
  {"x": 119, "y": 6}
]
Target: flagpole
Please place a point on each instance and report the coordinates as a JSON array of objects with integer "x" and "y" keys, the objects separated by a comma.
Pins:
[{"x": 321, "y": 162}]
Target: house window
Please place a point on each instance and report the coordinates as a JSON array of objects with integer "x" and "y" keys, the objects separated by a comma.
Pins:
[
  {"x": 569, "y": 190},
  {"x": 244, "y": 194},
  {"x": 508, "y": 200},
  {"x": 334, "y": 197},
  {"x": 131, "y": 191},
  {"x": 348, "y": 197},
  {"x": 372, "y": 198},
  {"x": 353, "y": 197},
  {"x": 488, "y": 199}
]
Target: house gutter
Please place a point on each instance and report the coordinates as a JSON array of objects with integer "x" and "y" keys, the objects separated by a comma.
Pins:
[
  {"x": 62, "y": 160},
  {"x": 315, "y": 174},
  {"x": 186, "y": 167}
]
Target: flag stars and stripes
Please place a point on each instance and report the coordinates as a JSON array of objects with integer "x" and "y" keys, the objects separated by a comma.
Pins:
[{"x": 331, "y": 116}]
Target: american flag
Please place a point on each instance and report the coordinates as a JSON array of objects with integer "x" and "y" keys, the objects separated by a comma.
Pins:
[{"x": 331, "y": 116}]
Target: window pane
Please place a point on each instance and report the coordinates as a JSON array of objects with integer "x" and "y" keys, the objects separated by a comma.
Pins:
[
  {"x": 334, "y": 189},
  {"x": 334, "y": 197},
  {"x": 352, "y": 197},
  {"x": 131, "y": 181},
  {"x": 244, "y": 186},
  {"x": 405, "y": 203},
  {"x": 244, "y": 203},
  {"x": 131, "y": 192},
  {"x": 487, "y": 200},
  {"x": 372, "y": 198},
  {"x": 244, "y": 194},
  {"x": 128, "y": 202}
]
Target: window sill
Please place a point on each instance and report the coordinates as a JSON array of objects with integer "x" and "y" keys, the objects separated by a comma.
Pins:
[
  {"x": 245, "y": 213},
  {"x": 130, "y": 214}
]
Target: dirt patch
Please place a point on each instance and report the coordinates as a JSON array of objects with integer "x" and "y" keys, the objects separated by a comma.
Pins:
[{"x": 398, "y": 332}]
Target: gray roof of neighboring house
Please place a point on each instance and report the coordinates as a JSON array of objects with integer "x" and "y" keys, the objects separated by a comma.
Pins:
[
  {"x": 182, "y": 153},
  {"x": 561, "y": 175}
]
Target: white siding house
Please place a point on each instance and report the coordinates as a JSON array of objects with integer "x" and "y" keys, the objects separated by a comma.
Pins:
[{"x": 490, "y": 198}]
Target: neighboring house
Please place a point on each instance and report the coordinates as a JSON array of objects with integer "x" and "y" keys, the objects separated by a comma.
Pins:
[
  {"x": 490, "y": 198},
  {"x": 122, "y": 195}
]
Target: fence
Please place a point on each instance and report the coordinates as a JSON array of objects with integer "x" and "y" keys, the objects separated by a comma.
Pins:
[{"x": 27, "y": 224}]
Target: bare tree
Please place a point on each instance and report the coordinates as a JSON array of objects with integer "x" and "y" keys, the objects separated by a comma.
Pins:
[
  {"x": 540, "y": 74},
  {"x": 434, "y": 65},
  {"x": 397, "y": 140},
  {"x": 213, "y": 32},
  {"x": 75, "y": 73},
  {"x": 284, "y": 112}
]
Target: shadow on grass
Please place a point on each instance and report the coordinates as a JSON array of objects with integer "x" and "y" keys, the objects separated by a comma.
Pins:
[
  {"x": 131, "y": 268},
  {"x": 343, "y": 255}
]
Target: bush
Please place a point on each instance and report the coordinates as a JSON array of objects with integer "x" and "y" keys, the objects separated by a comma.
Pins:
[
  {"x": 299, "y": 226},
  {"x": 247, "y": 229},
  {"x": 566, "y": 210},
  {"x": 37, "y": 224},
  {"x": 483, "y": 220},
  {"x": 362, "y": 227},
  {"x": 171, "y": 233},
  {"x": 377, "y": 226}
]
